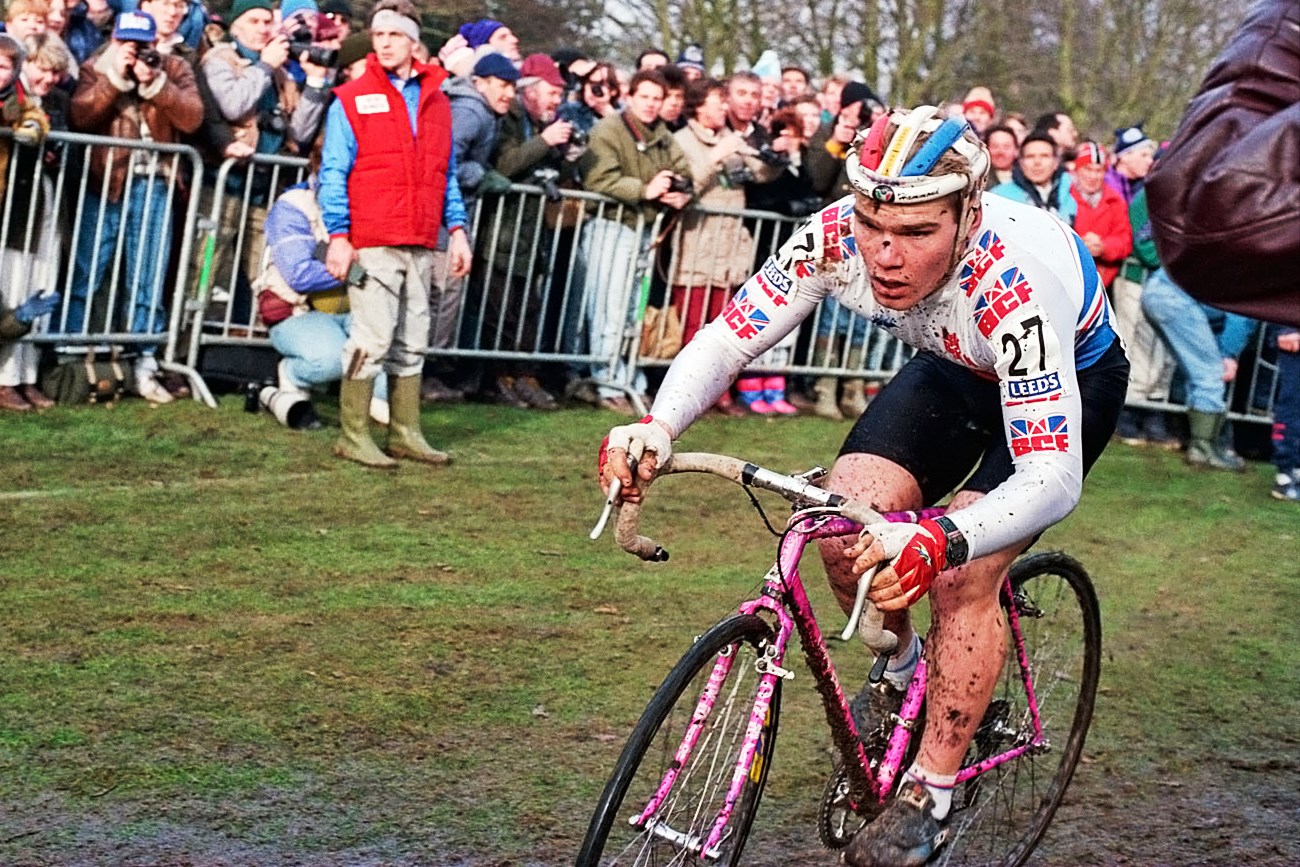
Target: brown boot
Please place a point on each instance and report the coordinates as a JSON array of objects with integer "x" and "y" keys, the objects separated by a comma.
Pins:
[
  {"x": 405, "y": 439},
  {"x": 11, "y": 400},
  {"x": 33, "y": 395},
  {"x": 825, "y": 388}
]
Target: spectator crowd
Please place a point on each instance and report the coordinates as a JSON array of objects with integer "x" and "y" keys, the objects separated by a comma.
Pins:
[{"x": 679, "y": 157}]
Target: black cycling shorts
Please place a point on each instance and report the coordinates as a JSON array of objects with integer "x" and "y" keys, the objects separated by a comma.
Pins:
[{"x": 938, "y": 420}]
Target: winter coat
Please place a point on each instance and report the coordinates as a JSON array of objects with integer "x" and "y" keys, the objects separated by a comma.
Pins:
[
  {"x": 473, "y": 134},
  {"x": 295, "y": 276},
  {"x": 107, "y": 105},
  {"x": 520, "y": 154},
  {"x": 715, "y": 249},
  {"x": 1223, "y": 195},
  {"x": 620, "y": 162},
  {"x": 1109, "y": 221},
  {"x": 1059, "y": 201}
]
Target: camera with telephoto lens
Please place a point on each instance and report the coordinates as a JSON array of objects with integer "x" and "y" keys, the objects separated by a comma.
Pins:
[
  {"x": 301, "y": 40},
  {"x": 308, "y": 32},
  {"x": 679, "y": 184}
]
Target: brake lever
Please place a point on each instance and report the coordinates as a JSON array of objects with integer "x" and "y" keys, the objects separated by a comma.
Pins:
[{"x": 615, "y": 486}]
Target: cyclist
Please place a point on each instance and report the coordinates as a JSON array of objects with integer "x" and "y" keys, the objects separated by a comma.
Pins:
[{"x": 1013, "y": 393}]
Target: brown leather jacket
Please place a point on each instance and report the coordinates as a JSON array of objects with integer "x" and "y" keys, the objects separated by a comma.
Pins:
[
  {"x": 104, "y": 104},
  {"x": 1225, "y": 195}
]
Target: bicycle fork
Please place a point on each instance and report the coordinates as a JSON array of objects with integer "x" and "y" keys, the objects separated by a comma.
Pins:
[{"x": 748, "y": 765}]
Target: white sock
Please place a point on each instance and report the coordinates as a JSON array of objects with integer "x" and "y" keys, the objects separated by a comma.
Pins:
[
  {"x": 1285, "y": 478},
  {"x": 938, "y": 785},
  {"x": 903, "y": 663}
]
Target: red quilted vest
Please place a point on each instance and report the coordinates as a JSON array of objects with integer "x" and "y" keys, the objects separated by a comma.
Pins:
[{"x": 399, "y": 180}]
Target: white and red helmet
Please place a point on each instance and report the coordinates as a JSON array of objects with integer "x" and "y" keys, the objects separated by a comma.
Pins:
[{"x": 890, "y": 173}]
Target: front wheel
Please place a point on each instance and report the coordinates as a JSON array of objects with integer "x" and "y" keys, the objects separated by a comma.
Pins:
[
  {"x": 677, "y": 830},
  {"x": 999, "y": 816}
]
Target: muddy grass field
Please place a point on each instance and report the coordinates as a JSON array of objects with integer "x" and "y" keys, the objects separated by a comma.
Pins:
[{"x": 220, "y": 647}]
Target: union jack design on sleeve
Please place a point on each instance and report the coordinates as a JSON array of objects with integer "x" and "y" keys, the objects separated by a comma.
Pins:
[{"x": 1051, "y": 434}]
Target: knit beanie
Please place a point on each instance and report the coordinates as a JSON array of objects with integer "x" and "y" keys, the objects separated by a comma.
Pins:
[
  {"x": 856, "y": 91},
  {"x": 288, "y": 7},
  {"x": 477, "y": 33},
  {"x": 354, "y": 48},
  {"x": 239, "y": 7},
  {"x": 1127, "y": 138}
]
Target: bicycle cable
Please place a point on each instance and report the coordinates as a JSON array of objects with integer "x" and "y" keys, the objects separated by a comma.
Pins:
[{"x": 759, "y": 508}]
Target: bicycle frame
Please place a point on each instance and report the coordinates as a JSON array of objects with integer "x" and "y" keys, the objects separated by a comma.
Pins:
[{"x": 784, "y": 599}]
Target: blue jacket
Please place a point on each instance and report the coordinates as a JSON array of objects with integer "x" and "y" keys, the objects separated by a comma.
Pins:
[
  {"x": 292, "y": 246},
  {"x": 1060, "y": 202}
]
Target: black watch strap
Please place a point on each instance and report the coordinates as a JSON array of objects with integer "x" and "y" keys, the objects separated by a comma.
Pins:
[{"x": 957, "y": 551}]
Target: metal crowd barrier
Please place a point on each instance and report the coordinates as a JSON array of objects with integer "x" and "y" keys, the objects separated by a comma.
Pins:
[
  {"x": 546, "y": 287},
  {"x": 116, "y": 246}
]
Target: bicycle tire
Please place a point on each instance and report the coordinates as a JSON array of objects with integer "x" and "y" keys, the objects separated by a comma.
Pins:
[
  {"x": 697, "y": 794},
  {"x": 1001, "y": 815}
]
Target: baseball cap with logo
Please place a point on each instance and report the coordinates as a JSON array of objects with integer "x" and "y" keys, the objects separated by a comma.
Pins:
[{"x": 135, "y": 27}]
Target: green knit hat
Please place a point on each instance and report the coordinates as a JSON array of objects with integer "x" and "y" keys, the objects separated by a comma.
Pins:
[{"x": 239, "y": 7}]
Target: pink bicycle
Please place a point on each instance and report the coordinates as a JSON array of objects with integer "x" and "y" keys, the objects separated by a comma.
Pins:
[{"x": 688, "y": 783}]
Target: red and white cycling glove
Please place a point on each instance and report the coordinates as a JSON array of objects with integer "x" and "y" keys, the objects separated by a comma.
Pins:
[
  {"x": 919, "y": 551},
  {"x": 923, "y": 557},
  {"x": 647, "y": 433}
]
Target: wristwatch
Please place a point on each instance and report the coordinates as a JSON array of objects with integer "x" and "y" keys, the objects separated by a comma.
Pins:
[{"x": 957, "y": 551}]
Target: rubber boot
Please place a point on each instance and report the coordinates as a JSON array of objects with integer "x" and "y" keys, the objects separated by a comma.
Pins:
[
  {"x": 826, "y": 388},
  {"x": 405, "y": 439},
  {"x": 750, "y": 389},
  {"x": 774, "y": 393},
  {"x": 1203, "y": 448},
  {"x": 853, "y": 401},
  {"x": 354, "y": 442}
]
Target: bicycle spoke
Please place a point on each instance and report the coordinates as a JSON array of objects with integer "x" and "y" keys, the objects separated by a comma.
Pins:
[
  {"x": 683, "y": 822},
  {"x": 999, "y": 816}
]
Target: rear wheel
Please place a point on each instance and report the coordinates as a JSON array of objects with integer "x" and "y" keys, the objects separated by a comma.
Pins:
[
  {"x": 999, "y": 816},
  {"x": 686, "y": 816}
]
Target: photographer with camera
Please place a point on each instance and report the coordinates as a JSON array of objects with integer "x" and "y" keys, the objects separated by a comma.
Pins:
[
  {"x": 596, "y": 97},
  {"x": 130, "y": 90},
  {"x": 256, "y": 108},
  {"x": 632, "y": 158}
]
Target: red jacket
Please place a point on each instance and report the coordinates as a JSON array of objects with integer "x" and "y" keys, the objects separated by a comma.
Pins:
[
  {"x": 1109, "y": 221},
  {"x": 399, "y": 180}
]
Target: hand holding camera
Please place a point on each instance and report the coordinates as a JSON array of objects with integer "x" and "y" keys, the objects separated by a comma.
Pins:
[
  {"x": 276, "y": 52},
  {"x": 558, "y": 133}
]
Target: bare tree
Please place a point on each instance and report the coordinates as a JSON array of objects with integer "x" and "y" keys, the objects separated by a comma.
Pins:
[{"x": 1106, "y": 62}]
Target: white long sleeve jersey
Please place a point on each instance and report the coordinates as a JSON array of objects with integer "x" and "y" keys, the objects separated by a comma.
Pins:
[{"x": 1025, "y": 308}]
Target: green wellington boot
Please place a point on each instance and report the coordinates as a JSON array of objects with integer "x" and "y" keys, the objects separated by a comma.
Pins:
[
  {"x": 1203, "y": 449},
  {"x": 354, "y": 442},
  {"x": 405, "y": 439}
]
